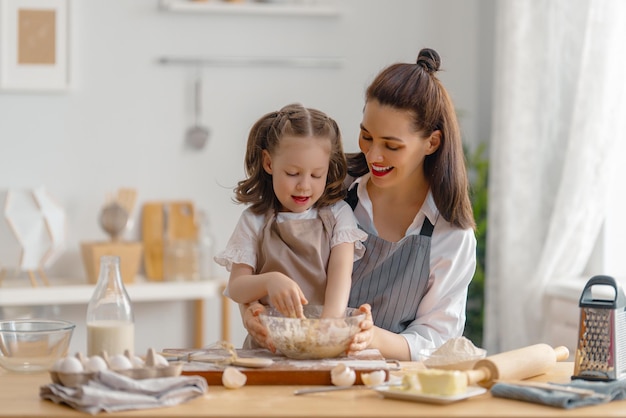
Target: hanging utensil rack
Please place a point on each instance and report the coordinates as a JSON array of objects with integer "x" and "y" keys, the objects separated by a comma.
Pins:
[
  {"x": 200, "y": 62},
  {"x": 296, "y": 62}
]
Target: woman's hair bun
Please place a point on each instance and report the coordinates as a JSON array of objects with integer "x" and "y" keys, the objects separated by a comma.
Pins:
[{"x": 429, "y": 60}]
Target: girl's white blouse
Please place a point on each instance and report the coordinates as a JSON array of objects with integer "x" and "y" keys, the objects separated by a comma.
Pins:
[{"x": 243, "y": 244}]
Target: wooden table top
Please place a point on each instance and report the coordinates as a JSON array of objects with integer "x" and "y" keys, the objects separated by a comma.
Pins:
[{"x": 19, "y": 396}]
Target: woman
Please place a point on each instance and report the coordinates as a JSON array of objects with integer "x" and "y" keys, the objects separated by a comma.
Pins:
[{"x": 411, "y": 195}]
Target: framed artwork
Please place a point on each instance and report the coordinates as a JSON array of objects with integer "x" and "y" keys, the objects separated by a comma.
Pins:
[{"x": 34, "y": 39}]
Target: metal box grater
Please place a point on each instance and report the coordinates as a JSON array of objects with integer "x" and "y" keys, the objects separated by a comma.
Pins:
[{"x": 601, "y": 352}]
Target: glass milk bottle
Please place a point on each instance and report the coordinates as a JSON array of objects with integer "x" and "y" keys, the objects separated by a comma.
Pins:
[{"x": 110, "y": 320}]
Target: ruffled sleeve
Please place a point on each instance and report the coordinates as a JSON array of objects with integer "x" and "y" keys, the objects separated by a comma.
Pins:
[
  {"x": 347, "y": 230},
  {"x": 242, "y": 246}
]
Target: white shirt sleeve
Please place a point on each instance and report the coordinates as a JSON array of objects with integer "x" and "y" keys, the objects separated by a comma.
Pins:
[
  {"x": 242, "y": 246},
  {"x": 346, "y": 229}
]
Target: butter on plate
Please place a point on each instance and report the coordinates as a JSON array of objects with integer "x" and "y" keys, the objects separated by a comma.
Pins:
[{"x": 442, "y": 382}]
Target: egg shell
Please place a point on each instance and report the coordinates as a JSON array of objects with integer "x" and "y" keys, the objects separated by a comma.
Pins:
[
  {"x": 342, "y": 375},
  {"x": 374, "y": 378},
  {"x": 232, "y": 378}
]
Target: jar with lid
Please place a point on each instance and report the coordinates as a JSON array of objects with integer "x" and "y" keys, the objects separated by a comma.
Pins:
[{"x": 110, "y": 320}]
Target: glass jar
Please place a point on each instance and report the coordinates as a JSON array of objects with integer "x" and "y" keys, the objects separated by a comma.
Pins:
[
  {"x": 180, "y": 260},
  {"x": 206, "y": 247},
  {"x": 110, "y": 320}
]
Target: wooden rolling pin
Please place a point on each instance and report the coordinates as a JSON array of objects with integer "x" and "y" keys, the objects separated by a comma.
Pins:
[{"x": 519, "y": 364}]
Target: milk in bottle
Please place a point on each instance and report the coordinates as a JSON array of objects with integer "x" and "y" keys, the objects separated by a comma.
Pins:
[{"x": 110, "y": 320}]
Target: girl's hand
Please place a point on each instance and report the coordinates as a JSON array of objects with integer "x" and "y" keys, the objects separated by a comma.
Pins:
[
  {"x": 363, "y": 339},
  {"x": 255, "y": 327},
  {"x": 286, "y": 296}
]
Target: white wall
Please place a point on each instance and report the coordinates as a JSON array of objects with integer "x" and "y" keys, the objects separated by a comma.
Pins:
[{"x": 122, "y": 123}]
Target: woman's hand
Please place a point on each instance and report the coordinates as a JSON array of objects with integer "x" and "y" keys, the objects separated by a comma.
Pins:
[
  {"x": 363, "y": 339},
  {"x": 254, "y": 326}
]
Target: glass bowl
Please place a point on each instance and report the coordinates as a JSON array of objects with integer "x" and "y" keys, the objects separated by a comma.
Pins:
[
  {"x": 33, "y": 345},
  {"x": 451, "y": 361},
  {"x": 312, "y": 337}
]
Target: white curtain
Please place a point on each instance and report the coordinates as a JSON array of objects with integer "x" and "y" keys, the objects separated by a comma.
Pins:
[{"x": 559, "y": 112}]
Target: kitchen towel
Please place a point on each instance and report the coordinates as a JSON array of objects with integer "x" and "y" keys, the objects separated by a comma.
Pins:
[
  {"x": 605, "y": 392},
  {"x": 109, "y": 391}
]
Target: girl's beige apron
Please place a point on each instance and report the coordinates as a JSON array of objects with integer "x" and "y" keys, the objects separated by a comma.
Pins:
[{"x": 300, "y": 249}]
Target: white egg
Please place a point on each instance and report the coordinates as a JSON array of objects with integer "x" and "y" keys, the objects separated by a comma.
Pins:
[
  {"x": 137, "y": 362},
  {"x": 342, "y": 375},
  {"x": 95, "y": 364},
  {"x": 374, "y": 378},
  {"x": 71, "y": 364},
  {"x": 232, "y": 378},
  {"x": 159, "y": 360},
  {"x": 154, "y": 359},
  {"x": 56, "y": 367},
  {"x": 120, "y": 362}
]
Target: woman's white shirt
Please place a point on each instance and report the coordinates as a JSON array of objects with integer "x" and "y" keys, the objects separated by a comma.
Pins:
[{"x": 441, "y": 312}]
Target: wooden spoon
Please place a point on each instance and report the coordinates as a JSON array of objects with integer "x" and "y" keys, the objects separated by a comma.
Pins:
[{"x": 127, "y": 198}]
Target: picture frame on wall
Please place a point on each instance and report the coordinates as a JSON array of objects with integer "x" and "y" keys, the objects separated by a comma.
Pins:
[{"x": 34, "y": 45}]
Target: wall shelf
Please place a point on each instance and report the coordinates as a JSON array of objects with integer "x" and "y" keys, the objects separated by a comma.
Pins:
[
  {"x": 279, "y": 8},
  {"x": 293, "y": 62}
]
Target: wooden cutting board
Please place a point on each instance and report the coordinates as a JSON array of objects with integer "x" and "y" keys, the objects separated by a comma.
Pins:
[
  {"x": 161, "y": 221},
  {"x": 285, "y": 371}
]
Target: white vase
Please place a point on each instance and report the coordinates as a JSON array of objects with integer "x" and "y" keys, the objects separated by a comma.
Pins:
[{"x": 32, "y": 229}]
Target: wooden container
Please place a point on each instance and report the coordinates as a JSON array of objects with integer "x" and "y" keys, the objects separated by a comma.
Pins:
[{"x": 129, "y": 253}]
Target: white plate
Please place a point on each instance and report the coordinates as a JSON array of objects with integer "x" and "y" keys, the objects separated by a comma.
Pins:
[{"x": 423, "y": 397}]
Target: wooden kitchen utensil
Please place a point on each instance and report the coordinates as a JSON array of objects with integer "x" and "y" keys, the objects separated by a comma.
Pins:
[
  {"x": 152, "y": 231},
  {"x": 519, "y": 364},
  {"x": 127, "y": 197},
  {"x": 160, "y": 222},
  {"x": 286, "y": 371},
  {"x": 181, "y": 221}
]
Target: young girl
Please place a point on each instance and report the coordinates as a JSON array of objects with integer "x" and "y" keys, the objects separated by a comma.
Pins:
[{"x": 296, "y": 242}]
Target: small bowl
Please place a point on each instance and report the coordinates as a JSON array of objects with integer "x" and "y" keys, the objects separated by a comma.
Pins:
[
  {"x": 33, "y": 345},
  {"x": 455, "y": 361},
  {"x": 312, "y": 337}
]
